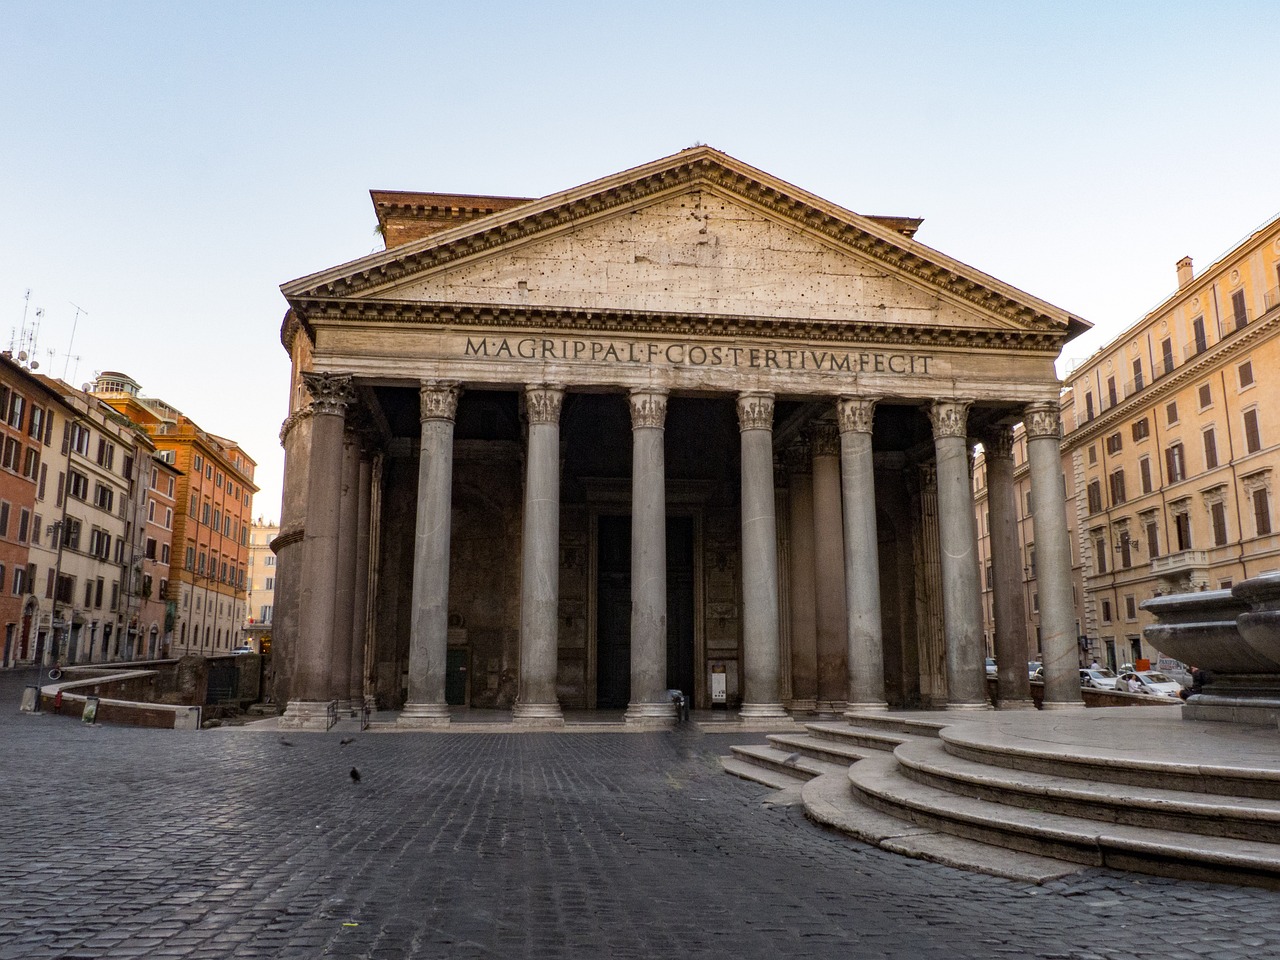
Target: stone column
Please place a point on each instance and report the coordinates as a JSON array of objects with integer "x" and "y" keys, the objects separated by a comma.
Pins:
[
  {"x": 649, "y": 701},
  {"x": 429, "y": 626},
  {"x": 344, "y": 593},
  {"x": 761, "y": 665},
  {"x": 360, "y": 606},
  {"x": 861, "y": 556},
  {"x": 1013, "y": 686},
  {"x": 961, "y": 598},
  {"x": 804, "y": 637},
  {"x": 1053, "y": 558},
  {"x": 828, "y": 554},
  {"x": 310, "y": 689},
  {"x": 540, "y": 564}
]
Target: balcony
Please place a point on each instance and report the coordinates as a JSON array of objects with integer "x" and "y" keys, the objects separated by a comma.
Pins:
[{"x": 1183, "y": 560}]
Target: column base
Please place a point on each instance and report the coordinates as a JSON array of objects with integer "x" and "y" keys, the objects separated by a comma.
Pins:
[
  {"x": 762, "y": 711},
  {"x": 877, "y": 706},
  {"x": 663, "y": 712},
  {"x": 831, "y": 706},
  {"x": 416, "y": 716},
  {"x": 307, "y": 715},
  {"x": 809, "y": 705},
  {"x": 968, "y": 707},
  {"x": 1027, "y": 704},
  {"x": 537, "y": 714},
  {"x": 1062, "y": 705}
]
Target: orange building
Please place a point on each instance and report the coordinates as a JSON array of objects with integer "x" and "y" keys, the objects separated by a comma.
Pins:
[{"x": 213, "y": 495}]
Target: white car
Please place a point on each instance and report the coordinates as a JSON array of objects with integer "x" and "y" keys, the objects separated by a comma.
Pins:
[
  {"x": 1151, "y": 682},
  {"x": 1097, "y": 678},
  {"x": 991, "y": 666}
]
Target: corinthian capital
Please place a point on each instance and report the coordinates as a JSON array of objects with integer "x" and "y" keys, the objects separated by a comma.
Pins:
[
  {"x": 755, "y": 411},
  {"x": 949, "y": 418},
  {"x": 855, "y": 414},
  {"x": 1042, "y": 420},
  {"x": 648, "y": 407},
  {"x": 330, "y": 393},
  {"x": 997, "y": 443},
  {"x": 542, "y": 402},
  {"x": 824, "y": 439},
  {"x": 438, "y": 399}
]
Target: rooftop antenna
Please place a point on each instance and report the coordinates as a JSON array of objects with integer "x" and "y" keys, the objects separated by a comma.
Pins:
[{"x": 71, "y": 342}]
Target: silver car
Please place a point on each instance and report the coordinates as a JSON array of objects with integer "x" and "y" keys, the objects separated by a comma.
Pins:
[{"x": 1097, "y": 678}]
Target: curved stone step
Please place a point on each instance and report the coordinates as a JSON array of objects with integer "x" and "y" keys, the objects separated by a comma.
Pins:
[
  {"x": 790, "y": 762},
  {"x": 832, "y": 751},
  {"x": 896, "y": 722},
  {"x": 879, "y": 783},
  {"x": 765, "y": 776},
  {"x": 828, "y": 801},
  {"x": 1242, "y": 818},
  {"x": 987, "y": 744},
  {"x": 884, "y": 741}
]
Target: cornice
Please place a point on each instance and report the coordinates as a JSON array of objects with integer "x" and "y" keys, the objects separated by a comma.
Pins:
[
  {"x": 603, "y": 321},
  {"x": 699, "y": 166},
  {"x": 1211, "y": 359}
]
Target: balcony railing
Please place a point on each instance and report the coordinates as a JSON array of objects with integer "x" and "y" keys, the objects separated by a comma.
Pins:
[
  {"x": 1183, "y": 560},
  {"x": 1272, "y": 298},
  {"x": 1196, "y": 347}
]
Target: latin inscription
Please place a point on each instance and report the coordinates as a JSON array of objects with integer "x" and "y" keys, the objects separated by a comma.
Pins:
[{"x": 695, "y": 355}]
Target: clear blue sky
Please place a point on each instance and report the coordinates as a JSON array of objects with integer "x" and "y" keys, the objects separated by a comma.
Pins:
[{"x": 166, "y": 166}]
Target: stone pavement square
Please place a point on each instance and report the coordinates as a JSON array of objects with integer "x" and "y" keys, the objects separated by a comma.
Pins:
[{"x": 228, "y": 843}]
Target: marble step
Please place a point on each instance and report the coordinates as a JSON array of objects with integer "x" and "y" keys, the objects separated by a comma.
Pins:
[
  {"x": 986, "y": 745},
  {"x": 879, "y": 783},
  {"x": 745, "y": 769},
  {"x": 829, "y": 802},
  {"x": 1242, "y": 818},
  {"x": 837, "y": 731},
  {"x": 915, "y": 725},
  {"x": 791, "y": 762},
  {"x": 832, "y": 751}
]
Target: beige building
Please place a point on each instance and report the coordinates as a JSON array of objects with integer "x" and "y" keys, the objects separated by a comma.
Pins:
[
  {"x": 1173, "y": 449},
  {"x": 687, "y": 426},
  {"x": 261, "y": 585}
]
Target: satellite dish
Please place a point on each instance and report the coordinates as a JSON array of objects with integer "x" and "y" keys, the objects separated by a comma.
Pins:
[
  {"x": 86, "y": 387},
  {"x": 22, "y": 354},
  {"x": 35, "y": 364}
]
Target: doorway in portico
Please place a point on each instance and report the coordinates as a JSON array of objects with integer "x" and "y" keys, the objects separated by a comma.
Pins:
[{"x": 613, "y": 608}]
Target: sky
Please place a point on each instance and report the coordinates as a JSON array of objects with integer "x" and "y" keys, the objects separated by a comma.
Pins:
[{"x": 165, "y": 166}]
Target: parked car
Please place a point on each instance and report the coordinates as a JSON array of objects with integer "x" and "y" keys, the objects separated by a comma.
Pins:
[
  {"x": 991, "y": 666},
  {"x": 244, "y": 649},
  {"x": 1150, "y": 682},
  {"x": 1097, "y": 678}
]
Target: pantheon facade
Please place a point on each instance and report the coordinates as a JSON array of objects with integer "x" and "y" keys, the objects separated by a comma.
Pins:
[{"x": 684, "y": 427}]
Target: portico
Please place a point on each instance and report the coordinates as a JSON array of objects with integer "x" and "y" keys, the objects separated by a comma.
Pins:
[{"x": 684, "y": 423}]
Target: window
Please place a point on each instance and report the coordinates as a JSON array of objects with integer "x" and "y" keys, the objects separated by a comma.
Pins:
[
  {"x": 1171, "y": 412},
  {"x": 1088, "y": 406},
  {"x": 35, "y": 428},
  {"x": 4, "y": 518},
  {"x": 1218, "y": 519},
  {"x": 1245, "y": 373},
  {"x": 1126, "y": 550},
  {"x": 36, "y": 523},
  {"x": 206, "y": 513},
  {"x": 1137, "y": 375},
  {"x": 16, "y": 409},
  {"x": 168, "y": 518},
  {"x": 1175, "y": 463},
  {"x": 1238, "y": 312},
  {"x": 1252, "y": 440},
  {"x": 88, "y": 593},
  {"x": 1182, "y": 530},
  {"x": 150, "y": 550},
  {"x": 1112, "y": 398},
  {"x": 171, "y": 488},
  {"x": 269, "y": 560},
  {"x": 106, "y": 454},
  {"x": 264, "y": 614},
  {"x": 77, "y": 485},
  {"x": 191, "y": 558},
  {"x": 1114, "y": 443},
  {"x": 1130, "y": 607},
  {"x": 1166, "y": 355},
  {"x": 1106, "y": 611},
  {"x": 1206, "y": 396},
  {"x": 192, "y": 509},
  {"x": 1197, "y": 331},
  {"x": 80, "y": 439},
  {"x": 217, "y": 480},
  {"x": 1031, "y": 559},
  {"x": 151, "y": 511},
  {"x": 270, "y": 582},
  {"x": 24, "y": 525},
  {"x": 104, "y": 497},
  {"x": 100, "y": 543},
  {"x": 1261, "y": 512},
  {"x": 1117, "y": 488},
  {"x": 1210, "y": 449},
  {"x": 31, "y": 465},
  {"x": 1144, "y": 474},
  {"x": 164, "y": 553},
  {"x": 19, "y": 581},
  {"x": 9, "y": 459},
  {"x": 1100, "y": 554},
  {"x": 1093, "y": 454},
  {"x": 1141, "y": 429},
  {"x": 198, "y": 463}
]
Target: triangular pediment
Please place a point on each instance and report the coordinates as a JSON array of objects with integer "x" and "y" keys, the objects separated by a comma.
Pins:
[{"x": 698, "y": 234}]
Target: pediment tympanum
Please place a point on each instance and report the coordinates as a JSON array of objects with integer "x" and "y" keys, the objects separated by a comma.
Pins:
[{"x": 694, "y": 237}]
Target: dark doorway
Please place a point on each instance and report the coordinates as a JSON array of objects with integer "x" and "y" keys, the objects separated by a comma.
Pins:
[
  {"x": 613, "y": 612},
  {"x": 613, "y": 609},
  {"x": 680, "y": 606},
  {"x": 455, "y": 676}
]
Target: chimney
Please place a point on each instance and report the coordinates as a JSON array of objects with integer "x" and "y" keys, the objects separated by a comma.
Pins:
[{"x": 1185, "y": 272}]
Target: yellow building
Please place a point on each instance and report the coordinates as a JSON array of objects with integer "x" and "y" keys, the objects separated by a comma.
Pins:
[
  {"x": 1171, "y": 453},
  {"x": 261, "y": 585}
]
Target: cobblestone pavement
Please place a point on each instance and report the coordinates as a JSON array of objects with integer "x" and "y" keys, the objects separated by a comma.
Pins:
[{"x": 228, "y": 843}]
